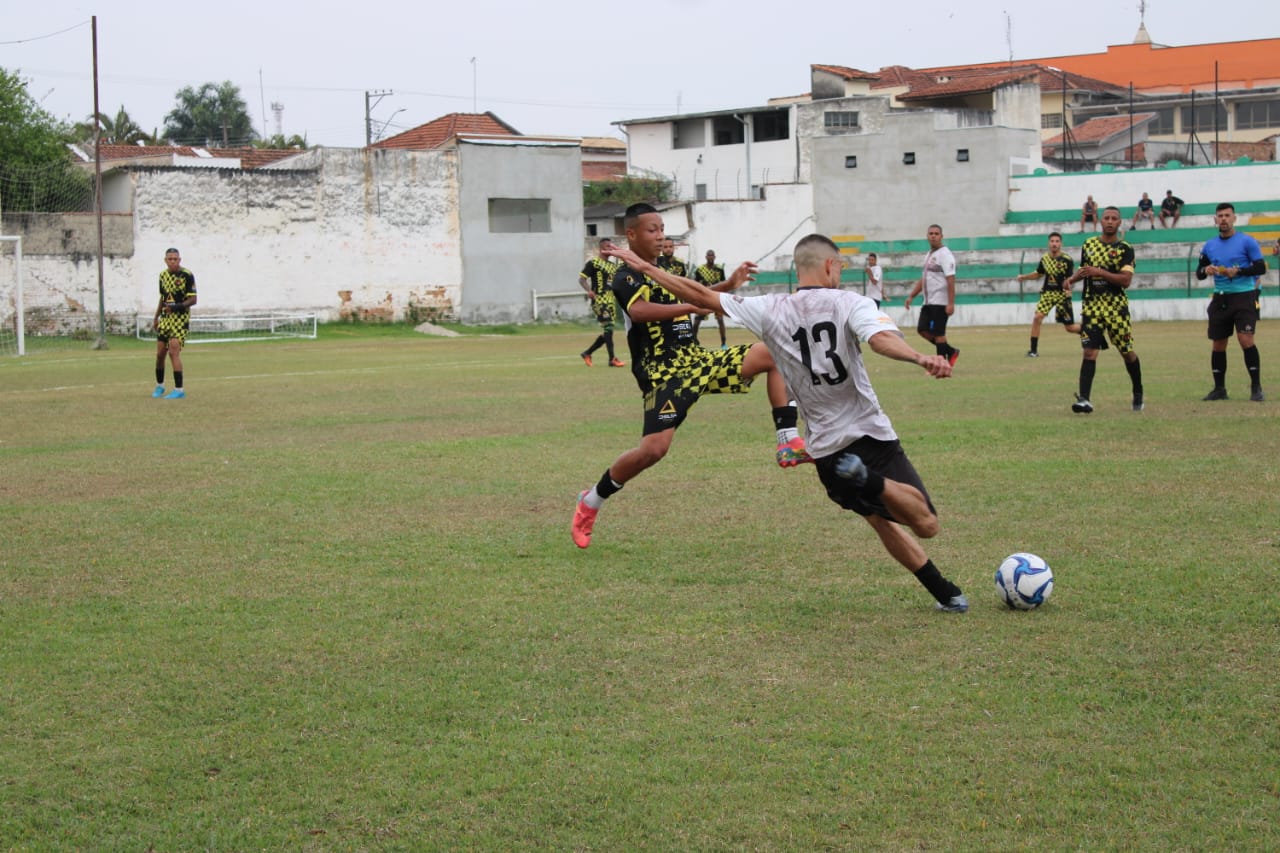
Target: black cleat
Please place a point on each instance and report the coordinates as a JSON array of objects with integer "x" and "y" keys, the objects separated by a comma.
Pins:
[{"x": 1216, "y": 394}]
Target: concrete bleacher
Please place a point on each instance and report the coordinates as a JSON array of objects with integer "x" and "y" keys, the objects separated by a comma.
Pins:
[{"x": 987, "y": 292}]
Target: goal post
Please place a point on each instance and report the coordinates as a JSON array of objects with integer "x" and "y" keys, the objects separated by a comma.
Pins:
[
  {"x": 271, "y": 326},
  {"x": 13, "y": 329}
]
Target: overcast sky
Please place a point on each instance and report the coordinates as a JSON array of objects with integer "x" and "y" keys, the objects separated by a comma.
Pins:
[{"x": 561, "y": 67}]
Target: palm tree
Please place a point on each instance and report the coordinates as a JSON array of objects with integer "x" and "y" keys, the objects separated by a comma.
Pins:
[
  {"x": 214, "y": 114},
  {"x": 122, "y": 130}
]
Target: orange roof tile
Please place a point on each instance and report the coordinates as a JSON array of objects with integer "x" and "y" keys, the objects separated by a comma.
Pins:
[
  {"x": 438, "y": 132},
  {"x": 603, "y": 170},
  {"x": 1101, "y": 128},
  {"x": 845, "y": 72}
]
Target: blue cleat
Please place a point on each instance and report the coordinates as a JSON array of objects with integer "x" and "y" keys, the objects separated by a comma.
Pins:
[
  {"x": 159, "y": 392},
  {"x": 175, "y": 394}
]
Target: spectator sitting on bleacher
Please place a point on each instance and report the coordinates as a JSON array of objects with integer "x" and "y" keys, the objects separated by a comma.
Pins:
[
  {"x": 1145, "y": 211},
  {"x": 1089, "y": 213},
  {"x": 1171, "y": 206}
]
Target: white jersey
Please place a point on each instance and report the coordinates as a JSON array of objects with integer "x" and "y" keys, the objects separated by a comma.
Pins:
[
  {"x": 814, "y": 336},
  {"x": 875, "y": 282},
  {"x": 939, "y": 264}
]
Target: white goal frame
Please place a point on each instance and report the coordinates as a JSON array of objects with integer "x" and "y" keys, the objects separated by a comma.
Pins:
[
  {"x": 239, "y": 327},
  {"x": 21, "y": 329}
]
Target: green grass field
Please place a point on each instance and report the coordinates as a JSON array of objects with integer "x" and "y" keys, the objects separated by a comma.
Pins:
[{"x": 329, "y": 602}]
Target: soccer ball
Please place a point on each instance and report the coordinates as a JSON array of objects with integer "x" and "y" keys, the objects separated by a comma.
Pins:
[{"x": 1024, "y": 581}]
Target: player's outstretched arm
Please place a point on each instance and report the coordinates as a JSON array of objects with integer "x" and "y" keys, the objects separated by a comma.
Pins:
[
  {"x": 893, "y": 345},
  {"x": 682, "y": 288}
]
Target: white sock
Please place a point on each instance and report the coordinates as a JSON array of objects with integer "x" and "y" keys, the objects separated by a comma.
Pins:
[
  {"x": 786, "y": 435},
  {"x": 593, "y": 499}
]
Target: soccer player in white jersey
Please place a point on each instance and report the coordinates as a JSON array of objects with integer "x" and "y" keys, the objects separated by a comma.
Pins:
[{"x": 814, "y": 335}]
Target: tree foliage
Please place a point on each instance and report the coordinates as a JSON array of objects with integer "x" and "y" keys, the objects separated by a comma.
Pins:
[
  {"x": 120, "y": 130},
  {"x": 279, "y": 141},
  {"x": 36, "y": 171},
  {"x": 214, "y": 114},
  {"x": 629, "y": 190}
]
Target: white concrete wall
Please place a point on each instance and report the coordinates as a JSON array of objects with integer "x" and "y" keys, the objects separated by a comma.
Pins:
[
  {"x": 761, "y": 231},
  {"x": 1123, "y": 188},
  {"x": 722, "y": 168}
]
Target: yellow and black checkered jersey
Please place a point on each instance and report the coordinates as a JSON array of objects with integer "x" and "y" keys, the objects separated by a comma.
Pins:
[
  {"x": 1112, "y": 257},
  {"x": 709, "y": 274},
  {"x": 599, "y": 275},
  {"x": 655, "y": 341},
  {"x": 1055, "y": 270},
  {"x": 177, "y": 286},
  {"x": 673, "y": 265}
]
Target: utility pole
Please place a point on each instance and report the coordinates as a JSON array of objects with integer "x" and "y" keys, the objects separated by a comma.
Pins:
[{"x": 371, "y": 100}]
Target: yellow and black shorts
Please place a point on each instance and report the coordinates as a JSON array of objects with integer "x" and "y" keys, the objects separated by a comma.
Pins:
[
  {"x": 679, "y": 382},
  {"x": 173, "y": 326},
  {"x": 1106, "y": 316},
  {"x": 1056, "y": 300},
  {"x": 606, "y": 310}
]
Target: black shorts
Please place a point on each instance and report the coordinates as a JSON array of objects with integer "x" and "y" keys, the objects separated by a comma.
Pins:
[
  {"x": 1233, "y": 311},
  {"x": 886, "y": 458},
  {"x": 933, "y": 320}
]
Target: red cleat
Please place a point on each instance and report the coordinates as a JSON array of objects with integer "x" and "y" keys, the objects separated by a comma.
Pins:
[{"x": 584, "y": 518}]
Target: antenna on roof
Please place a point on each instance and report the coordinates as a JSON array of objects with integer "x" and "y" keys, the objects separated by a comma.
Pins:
[
  {"x": 1008, "y": 34},
  {"x": 1142, "y": 12}
]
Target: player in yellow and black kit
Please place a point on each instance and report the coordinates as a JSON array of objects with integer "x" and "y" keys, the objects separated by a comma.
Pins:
[
  {"x": 172, "y": 320},
  {"x": 595, "y": 279},
  {"x": 1055, "y": 267},
  {"x": 673, "y": 372},
  {"x": 1106, "y": 268},
  {"x": 709, "y": 274}
]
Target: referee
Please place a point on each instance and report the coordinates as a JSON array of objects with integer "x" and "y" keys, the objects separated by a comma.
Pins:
[{"x": 1235, "y": 261}]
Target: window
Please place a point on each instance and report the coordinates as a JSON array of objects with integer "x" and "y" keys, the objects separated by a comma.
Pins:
[
  {"x": 1258, "y": 114},
  {"x": 726, "y": 130},
  {"x": 519, "y": 216},
  {"x": 689, "y": 133},
  {"x": 836, "y": 119},
  {"x": 909, "y": 158},
  {"x": 767, "y": 127},
  {"x": 700, "y": 192},
  {"x": 1202, "y": 120},
  {"x": 1162, "y": 124},
  {"x": 962, "y": 155},
  {"x": 591, "y": 230},
  {"x": 1050, "y": 121},
  {"x": 851, "y": 161}
]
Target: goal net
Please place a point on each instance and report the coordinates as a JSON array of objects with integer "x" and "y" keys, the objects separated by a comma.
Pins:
[{"x": 246, "y": 327}]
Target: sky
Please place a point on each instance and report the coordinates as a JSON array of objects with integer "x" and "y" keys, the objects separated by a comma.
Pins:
[{"x": 560, "y": 67}]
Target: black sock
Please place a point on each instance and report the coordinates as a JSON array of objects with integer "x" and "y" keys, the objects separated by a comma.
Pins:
[
  {"x": 1035, "y": 342},
  {"x": 177, "y": 379},
  {"x": 160, "y": 374},
  {"x": 785, "y": 417},
  {"x": 607, "y": 487},
  {"x": 939, "y": 587},
  {"x": 599, "y": 341},
  {"x": 1087, "y": 369},
  {"x": 942, "y": 349},
  {"x": 1135, "y": 374},
  {"x": 608, "y": 342},
  {"x": 1218, "y": 366},
  {"x": 1253, "y": 364}
]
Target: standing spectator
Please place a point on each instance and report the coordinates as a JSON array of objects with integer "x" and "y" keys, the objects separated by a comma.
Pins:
[
  {"x": 673, "y": 372},
  {"x": 875, "y": 279},
  {"x": 709, "y": 274},
  {"x": 1055, "y": 296},
  {"x": 172, "y": 321},
  {"x": 816, "y": 334},
  {"x": 594, "y": 279},
  {"x": 1171, "y": 206},
  {"x": 1234, "y": 259},
  {"x": 1106, "y": 267},
  {"x": 938, "y": 281},
  {"x": 1089, "y": 214},
  {"x": 1145, "y": 211}
]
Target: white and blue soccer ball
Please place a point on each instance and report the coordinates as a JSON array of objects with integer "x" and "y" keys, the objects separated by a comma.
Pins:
[{"x": 1024, "y": 581}]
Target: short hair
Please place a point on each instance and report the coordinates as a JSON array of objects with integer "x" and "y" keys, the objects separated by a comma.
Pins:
[
  {"x": 872, "y": 255},
  {"x": 1111, "y": 207},
  {"x": 1226, "y": 205},
  {"x": 935, "y": 225},
  {"x": 635, "y": 211},
  {"x": 603, "y": 241},
  {"x": 172, "y": 251},
  {"x": 813, "y": 250},
  {"x": 1055, "y": 234}
]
